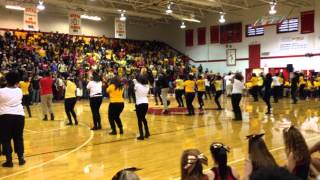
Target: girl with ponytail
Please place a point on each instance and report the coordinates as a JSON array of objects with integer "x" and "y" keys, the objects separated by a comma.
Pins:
[{"x": 221, "y": 171}]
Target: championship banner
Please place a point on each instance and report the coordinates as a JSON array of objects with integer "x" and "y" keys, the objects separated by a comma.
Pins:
[
  {"x": 74, "y": 23},
  {"x": 30, "y": 19},
  {"x": 120, "y": 28}
]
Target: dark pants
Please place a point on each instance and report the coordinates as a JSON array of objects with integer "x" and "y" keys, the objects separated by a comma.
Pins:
[
  {"x": 179, "y": 93},
  {"x": 216, "y": 98},
  {"x": 200, "y": 98},
  {"x": 11, "y": 127},
  {"x": 294, "y": 94},
  {"x": 208, "y": 92},
  {"x": 69, "y": 104},
  {"x": 189, "y": 100},
  {"x": 276, "y": 93},
  {"x": 302, "y": 93},
  {"x": 157, "y": 94},
  {"x": 141, "y": 111},
  {"x": 114, "y": 112},
  {"x": 266, "y": 99},
  {"x": 26, "y": 101},
  {"x": 235, "y": 100},
  {"x": 254, "y": 92},
  {"x": 95, "y": 103}
]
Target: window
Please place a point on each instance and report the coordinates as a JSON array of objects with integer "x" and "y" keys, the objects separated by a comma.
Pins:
[
  {"x": 288, "y": 25},
  {"x": 254, "y": 31}
]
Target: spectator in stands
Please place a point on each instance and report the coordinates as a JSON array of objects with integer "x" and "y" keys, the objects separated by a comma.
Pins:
[
  {"x": 46, "y": 95},
  {"x": 116, "y": 106},
  {"x": 221, "y": 170},
  {"x": 12, "y": 119},
  {"x": 191, "y": 165},
  {"x": 297, "y": 152},
  {"x": 259, "y": 156}
]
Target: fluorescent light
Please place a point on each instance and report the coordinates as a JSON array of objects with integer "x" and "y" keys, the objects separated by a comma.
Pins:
[
  {"x": 123, "y": 17},
  {"x": 169, "y": 11},
  {"x": 183, "y": 26},
  {"x": 222, "y": 19},
  {"x": 15, "y": 7},
  {"x": 41, "y": 6},
  {"x": 273, "y": 8},
  {"x": 94, "y": 18}
]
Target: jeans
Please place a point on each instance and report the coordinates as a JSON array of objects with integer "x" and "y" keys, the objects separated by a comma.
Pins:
[
  {"x": 35, "y": 95},
  {"x": 141, "y": 111},
  {"x": 189, "y": 100},
  {"x": 164, "y": 96}
]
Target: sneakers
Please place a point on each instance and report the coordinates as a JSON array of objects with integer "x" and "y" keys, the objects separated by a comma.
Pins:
[
  {"x": 52, "y": 116},
  {"x": 8, "y": 164}
]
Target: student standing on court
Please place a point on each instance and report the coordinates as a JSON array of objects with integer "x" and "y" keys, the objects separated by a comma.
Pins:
[
  {"x": 95, "y": 92},
  {"x": 141, "y": 90},
  {"x": 294, "y": 87},
  {"x": 190, "y": 93},
  {"x": 164, "y": 85},
  {"x": 276, "y": 87},
  {"x": 267, "y": 92},
  {"x": 201, "y": 90},
  {"x": 237, "y": 89},
  {"x": 24, "y": 86},
  {"x": 255, "y": 88},
  {"x": 70, "y": 100},
  {"x": 218, "y": 87},
  {"x": 46, "y": 95},
  {"x": 116, "y": 106},
  {"x": 179, "y": 91},
  {"x": 12, "y": 119}
]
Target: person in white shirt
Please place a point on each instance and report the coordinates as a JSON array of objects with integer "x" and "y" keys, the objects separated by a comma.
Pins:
[
  {"x": 12, "y": 119},
  {"x": 227, "y": 79},
  {"x": 95, "y": 88},
  {"x": 237, "y": 89},
  {"x": 141, "y": 91},
  {"x": 276, "y": 87}
]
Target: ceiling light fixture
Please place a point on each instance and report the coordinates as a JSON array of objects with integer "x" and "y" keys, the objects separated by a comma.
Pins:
[
  {"x": 93, "y": 18},
  {"x": 222, "y": 19},
  {"x": 183, "y": 26},
  {"x": 19, "y": 8},
  {"x": 41, "y": 6},
  {"x": 273, "y": 10},
  {"x": 123, "y": 17},
  {"x": 169, "y": 10}
]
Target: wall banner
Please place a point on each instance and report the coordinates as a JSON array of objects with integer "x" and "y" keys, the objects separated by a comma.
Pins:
[
  {"x": 293, "y": 43},
  {"x": 74, "y": 23},
  {"x": 120, "y": 29},
  {"x": 30, "y": 19}
]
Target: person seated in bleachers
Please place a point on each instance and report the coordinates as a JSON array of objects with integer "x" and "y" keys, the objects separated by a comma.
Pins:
[
  {"x": 221, "y": 170},
  {"x": 191, "y": 165},
  {"x": 297, "y": 152},
  {"x": 259, "y": 156}
]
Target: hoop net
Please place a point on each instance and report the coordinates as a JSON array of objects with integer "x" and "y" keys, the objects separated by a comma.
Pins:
[{"x": 269, "y": 20}]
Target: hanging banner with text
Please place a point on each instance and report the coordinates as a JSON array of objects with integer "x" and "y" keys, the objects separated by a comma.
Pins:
[
  {"x": 74, "y": 23},
  {"x": 120, "y": 28},
  {"x": 293, "y": 43},
  {"x": 30, "y": 19}
]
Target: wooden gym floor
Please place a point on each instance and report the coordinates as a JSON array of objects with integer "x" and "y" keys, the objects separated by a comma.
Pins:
[{"x": 55, "y": 151}]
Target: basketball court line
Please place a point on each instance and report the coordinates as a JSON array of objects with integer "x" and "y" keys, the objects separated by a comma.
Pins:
[{"x": 52, "y": 160}]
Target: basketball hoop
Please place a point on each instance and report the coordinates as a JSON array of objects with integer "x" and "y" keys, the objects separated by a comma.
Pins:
[{"x": 268, "y": 20}]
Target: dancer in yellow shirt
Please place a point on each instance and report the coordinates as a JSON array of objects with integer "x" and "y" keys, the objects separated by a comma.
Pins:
[
  {"x": 201, "y": 89},
  {"x": 190, "y": 93},
  {"x": 70, "y": 100},
  {"x": 24, "y": 86}
]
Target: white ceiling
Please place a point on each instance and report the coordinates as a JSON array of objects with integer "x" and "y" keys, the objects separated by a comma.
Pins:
[{"x": 153, "y": 11}]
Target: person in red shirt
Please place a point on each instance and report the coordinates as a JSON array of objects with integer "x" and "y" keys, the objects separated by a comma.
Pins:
[{"x": 46, "y": 95}]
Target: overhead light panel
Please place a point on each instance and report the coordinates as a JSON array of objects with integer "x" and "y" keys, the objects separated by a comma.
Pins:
[
  {"x": 273, "y": 10},
  {"x": 19, "y": 8},
  {"x": 183, "y": 26},
  {"x": 123, "y": 17},
  {"x": 93, "y": 18},
  {"x": 222, "y": 19},
  {"x": 41, "y": 6}
]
